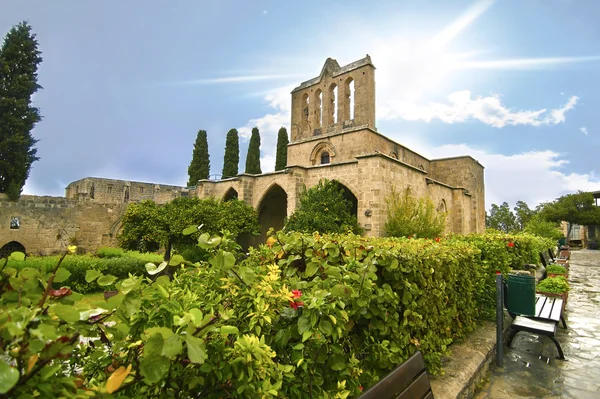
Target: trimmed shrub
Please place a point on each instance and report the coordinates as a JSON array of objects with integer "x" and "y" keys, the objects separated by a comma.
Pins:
[
  {"x": 409, "y": 216},
  {"x": 108, "y": 252}
]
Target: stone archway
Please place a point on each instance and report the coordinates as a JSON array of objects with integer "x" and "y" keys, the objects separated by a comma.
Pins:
[
  {"x": 10, "y": 247},
  {"x": 349, "y": 195},
  {"x": 272, "y": 210},
  {"x": 231, "y": 194}
]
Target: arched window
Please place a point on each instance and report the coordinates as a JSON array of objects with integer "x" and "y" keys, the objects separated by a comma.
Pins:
[
  {"x": 348, "y": 105},
  {"x": 442, "y": 206},
  {"x": 319, "y": 108},
  {"x": 333, "y": 104},
  {"x": 126, "y": 196},
  {"x": 92, "y": 191},
  {"x": 324, "y": 158},
  {"x": 305, "y": 102}
]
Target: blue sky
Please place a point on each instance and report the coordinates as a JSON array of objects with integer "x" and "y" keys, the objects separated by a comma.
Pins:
[{"x": 127, "y": 85}]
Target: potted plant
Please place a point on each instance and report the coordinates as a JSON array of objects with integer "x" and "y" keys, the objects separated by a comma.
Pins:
[
  {"x": 554, "y": 286},
  {"x": 557, "y": 270}
]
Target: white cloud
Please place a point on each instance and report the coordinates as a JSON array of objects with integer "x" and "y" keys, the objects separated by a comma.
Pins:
[
  {"x": 279, "y": 101},
  {"x": 489, "y": 110},
  {"x": 533, "y": 176},
  {"x": 584, "y": 130}
]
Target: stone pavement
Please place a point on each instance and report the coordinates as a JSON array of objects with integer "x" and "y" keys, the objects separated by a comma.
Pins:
[{"x": 531, "y": 369}]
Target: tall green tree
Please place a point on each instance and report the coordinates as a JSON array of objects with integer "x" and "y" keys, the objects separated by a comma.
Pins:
[
  {"x": 281, "y": 155},
  {"x": 200, "y": 165},
  {"x": 19, "y": 60},
  {"x": 408, "y": 215},
  {"x": 523, "y": 214},
  {"x": 501, "y": 218},
  {"x": 576, "y": 208},
  {"x": 253, "y": 156},
  {"x": 231, "y": 158}
]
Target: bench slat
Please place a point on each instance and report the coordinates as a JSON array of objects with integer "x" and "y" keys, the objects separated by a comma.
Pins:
[
  {"x": 410, "y": 376},
  {"x": 524, "y": 322},
  {"x": 417, "y": 389}
]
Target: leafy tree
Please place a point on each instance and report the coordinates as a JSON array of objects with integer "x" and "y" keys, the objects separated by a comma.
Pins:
[
  {"x": 411, "y": 216},
  {"x": 148, "y": 227},
  {"x": 253, "y": 156},
  {"x": 282, "y": 142},
  {"x": 232, "y": 154},
  {"x": 576, "y": 208},
  {"x": 523, "y": 214},
  {"x": 501, "y": 218},
  {"x": 323, "y": 208},
  {"x": 19, "y": 60},
  {"x": 543, "y": 228},
  {"x": 200, "y": 165}
]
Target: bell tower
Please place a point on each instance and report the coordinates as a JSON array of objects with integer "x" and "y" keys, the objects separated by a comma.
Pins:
[{"x": 339, "y": 98}]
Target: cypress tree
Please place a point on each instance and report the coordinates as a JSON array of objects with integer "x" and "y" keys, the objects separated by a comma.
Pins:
[
  {"x": 19, "y": 59},
  {"x": 281, "y": 156},
  {"x": 232, "y": 155},
  {"x": 200, "y": 165},
  {"x": 253, "y": 156}
]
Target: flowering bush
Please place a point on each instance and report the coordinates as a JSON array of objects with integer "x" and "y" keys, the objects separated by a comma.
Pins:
[{"x": 304, "y": 315}]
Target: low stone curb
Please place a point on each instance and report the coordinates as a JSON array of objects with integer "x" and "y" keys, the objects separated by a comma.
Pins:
[{"x": 468, "y": 363}]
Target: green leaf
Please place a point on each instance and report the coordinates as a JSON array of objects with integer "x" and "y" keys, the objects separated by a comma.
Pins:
[
  {"x": 197, "y": 316},
  {"x": 106, "y": 280},
  {"x": 190, "y": 230},
  {"x": 154, "y": 368},
  {"x": 8, "y": 376},
  {"x": 337, "y": 362},
  {"x": 164, "y": 331},
  {"x": 205, "y": 242},
  {"x": 61, "y": 275},
  {"x": 229, "y": 330},
  {"x": 172, "y": 346},
  {"x": 91, "y": 275},
  {"x": 195, "y": 348},
  {"x": 176, "y": 260},
  {"x": 303, "y": 324},
  {"x": 311, "y": 269},
  {"x": 154, "y": 345},
  {"x": 152, "y": 269},
  {"x": 132, "y": 304},
  {"x": 29, "y": 272},
  {"x": 66, "y": 312},
  {"x": 325, "y": 327},
  {"x": 306, "y": 335},
  {"x": 223, "y": 260}
]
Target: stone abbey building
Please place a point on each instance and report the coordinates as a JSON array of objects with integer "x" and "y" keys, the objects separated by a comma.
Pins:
[{"x": 333, "y": 136}]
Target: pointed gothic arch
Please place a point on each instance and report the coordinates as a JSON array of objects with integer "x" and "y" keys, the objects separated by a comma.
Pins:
[
  {"x": 10, "y": 247},
  {"x": 319, "y": 149},
  {"x": 272, "y": 209},
  {"x": 230, "y": 194}
]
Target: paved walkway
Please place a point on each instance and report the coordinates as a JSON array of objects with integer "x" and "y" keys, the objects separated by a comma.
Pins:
[{"x": 531, "y": 369}]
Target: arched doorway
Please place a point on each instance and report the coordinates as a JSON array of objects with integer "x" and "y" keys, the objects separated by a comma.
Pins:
[
  {"x": 272, "y": 210},
  {"x": 11, "y": 247},
  {"x": 231, "y": 194},
  {"x": 349, "y": 195}
]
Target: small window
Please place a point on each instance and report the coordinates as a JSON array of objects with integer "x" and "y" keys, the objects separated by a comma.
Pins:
[
  {"x": 15, "y": 222},
  {"x": 324, "y": 158},
  {"x": 92, "y": 191},
  {"x": 141, "y": 190},
  {"x": 126, "y": 196},
  {"x": 109, "y": 189}
]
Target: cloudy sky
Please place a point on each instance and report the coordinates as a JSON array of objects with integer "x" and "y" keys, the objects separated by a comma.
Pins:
[{"x": 127, "y": 85}]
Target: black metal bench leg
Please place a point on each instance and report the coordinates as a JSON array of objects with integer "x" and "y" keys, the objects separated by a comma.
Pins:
[
  {"x": 513, "y": 332},
  {"x": 564, "y": 323},
  {"x": 561, "y": 355}
]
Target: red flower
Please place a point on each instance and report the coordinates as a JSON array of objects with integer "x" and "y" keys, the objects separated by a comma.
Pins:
[
  {"x": 64, "y": 291},
  {"x": 360, "y": 387},
  {"x": 409, "y": 237},
  {"x": 511, "y": 244},
  {"x": 296, "y": 305},
  {"x": 296, "y": 293},
  {"x": 437, "y": 239}
]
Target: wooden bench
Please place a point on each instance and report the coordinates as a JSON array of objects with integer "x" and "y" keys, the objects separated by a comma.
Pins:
[
  {"x": 548, "y": 313},
  {"x": 408, "y": 381}
]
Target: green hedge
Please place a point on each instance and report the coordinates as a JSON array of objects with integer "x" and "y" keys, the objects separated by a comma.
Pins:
[{"x": 131, "y": 262}]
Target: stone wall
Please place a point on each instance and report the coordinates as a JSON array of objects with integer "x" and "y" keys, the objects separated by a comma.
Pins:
[
  {"x": 121, "y": 191},
  {"x": 47, "y": 224}
]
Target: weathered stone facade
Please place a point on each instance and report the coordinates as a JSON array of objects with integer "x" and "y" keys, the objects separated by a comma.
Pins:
[{"x": 333, "y": 136}]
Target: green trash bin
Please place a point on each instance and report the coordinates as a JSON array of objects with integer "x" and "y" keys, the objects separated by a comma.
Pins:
[{"x": 521, "y": 294}]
